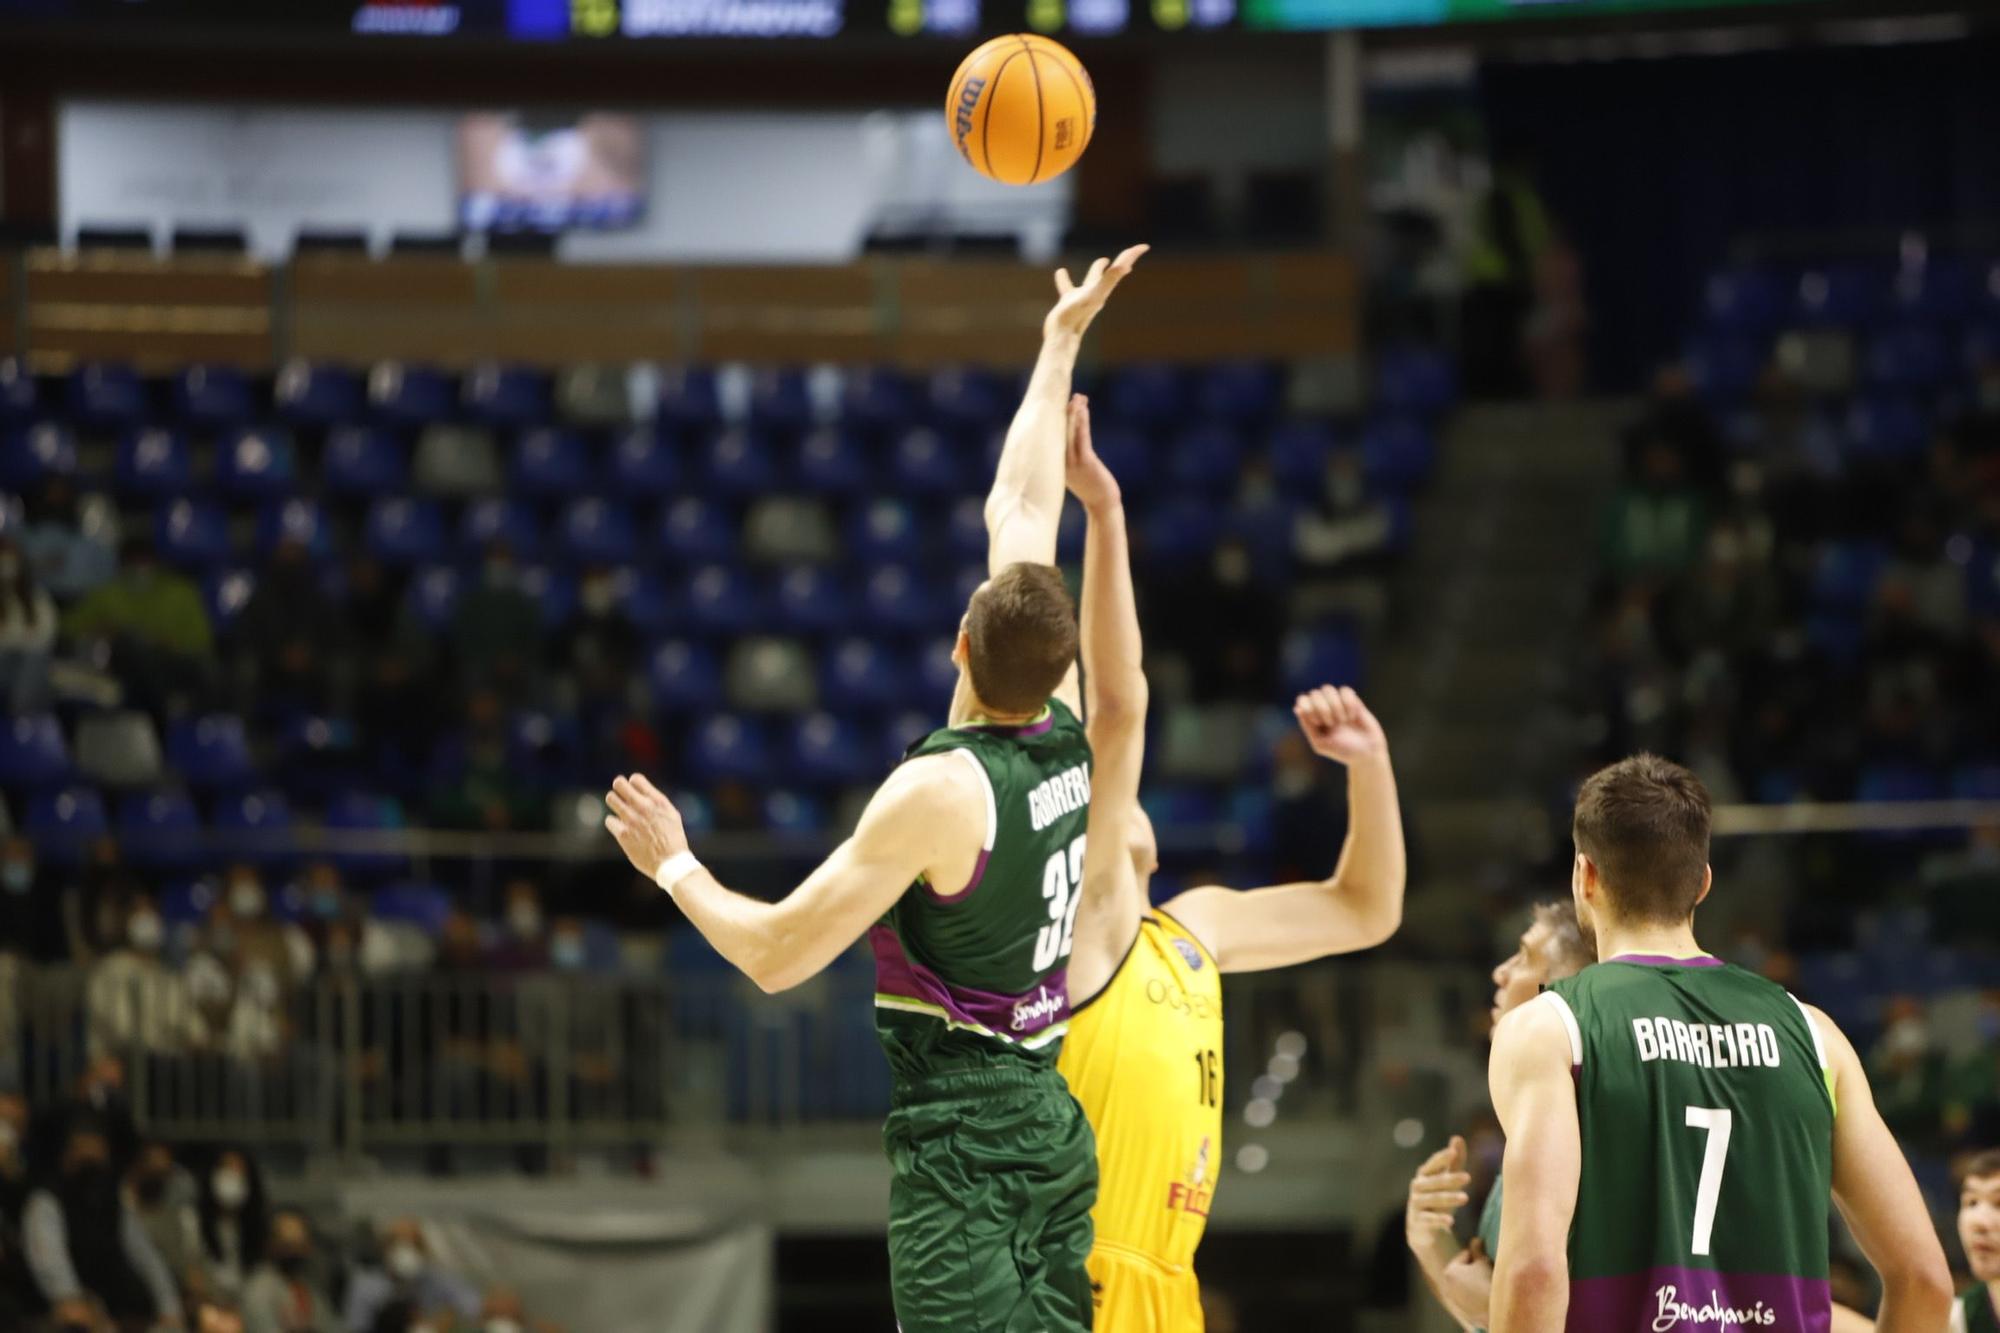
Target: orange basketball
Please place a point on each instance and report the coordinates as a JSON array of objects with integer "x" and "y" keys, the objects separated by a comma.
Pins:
[{"x": 1021, "y": 109}]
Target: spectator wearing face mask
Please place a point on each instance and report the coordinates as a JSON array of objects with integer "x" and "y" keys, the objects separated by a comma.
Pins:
[
  {"x": 248, "y": 969},
  {"x": 407, "y": 1274},
  {"x": 235, "y": 1221},
  {"x": 569, "y": 949},
  {"x": 523, "y": 945},
  {"x": 347, "y": 939},
  {"x": 162, "y": 1193},
  {"x": 27, "y": 634},
  {"x": 137, "y": 1006},
  {"x": 283, "y": 1295},
  {"x": 82, "y": 1239}
]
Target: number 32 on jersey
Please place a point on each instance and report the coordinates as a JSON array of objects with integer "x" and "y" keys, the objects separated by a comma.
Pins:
[{"x": 1062, "y": 886}]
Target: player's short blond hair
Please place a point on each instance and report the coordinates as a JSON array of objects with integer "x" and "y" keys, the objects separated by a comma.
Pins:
[{"x": 1022, "y": 637}]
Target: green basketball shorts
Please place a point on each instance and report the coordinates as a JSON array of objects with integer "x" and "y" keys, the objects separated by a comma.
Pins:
[{"x": 989, "y": 1208}]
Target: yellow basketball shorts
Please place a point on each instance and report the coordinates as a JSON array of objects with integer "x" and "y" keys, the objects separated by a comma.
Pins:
[{"x": 1136, "y": 1293}]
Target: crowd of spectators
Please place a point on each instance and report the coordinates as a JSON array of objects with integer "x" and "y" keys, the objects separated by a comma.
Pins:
[{"x": 106, "y": 1230}]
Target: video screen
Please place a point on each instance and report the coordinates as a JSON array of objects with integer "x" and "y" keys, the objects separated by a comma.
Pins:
[{"x": 530, "y": 173}]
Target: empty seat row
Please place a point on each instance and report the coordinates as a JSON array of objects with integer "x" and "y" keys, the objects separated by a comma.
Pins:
[{"x": 1855, "y": 294}]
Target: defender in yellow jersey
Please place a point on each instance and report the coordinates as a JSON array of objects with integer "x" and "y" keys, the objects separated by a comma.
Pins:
[{"x": 1144, "y": 1051}]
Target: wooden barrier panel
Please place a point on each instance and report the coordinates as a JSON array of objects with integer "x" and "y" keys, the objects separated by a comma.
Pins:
[{"x": 913, "y": 312}]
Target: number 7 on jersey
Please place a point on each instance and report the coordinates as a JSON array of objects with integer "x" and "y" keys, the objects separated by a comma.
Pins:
[{"x": 1713, "y": 1158}]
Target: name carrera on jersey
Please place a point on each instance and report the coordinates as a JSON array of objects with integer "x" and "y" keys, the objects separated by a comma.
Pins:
[
  {"x": 1708, "y": 1045},
  {"x": 1065, "y": 793}
]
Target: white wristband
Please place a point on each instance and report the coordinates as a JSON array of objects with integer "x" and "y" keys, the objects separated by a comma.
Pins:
[{"x": 675, "y": 869}]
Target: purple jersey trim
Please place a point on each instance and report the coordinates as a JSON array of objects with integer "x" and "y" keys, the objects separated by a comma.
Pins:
[
  {"x": 1011, "y": 1016},
  {"x": 1041, "y": 726},
  {"x": 978, "y": 873},
  {"x": 1699, "y": 1301},
  {"x": 1662, "y": 960}
]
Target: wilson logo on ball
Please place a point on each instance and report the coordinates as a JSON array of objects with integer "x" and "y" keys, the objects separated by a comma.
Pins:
[
  {"x": 968, "y": 98},
  {"x": 1020, "y": 109}
]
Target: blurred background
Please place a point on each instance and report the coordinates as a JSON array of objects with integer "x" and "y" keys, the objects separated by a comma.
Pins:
[{"x": 413, "y": 412}]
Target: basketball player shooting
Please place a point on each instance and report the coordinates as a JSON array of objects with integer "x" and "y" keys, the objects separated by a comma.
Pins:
[{"x": 964, "y": 871}]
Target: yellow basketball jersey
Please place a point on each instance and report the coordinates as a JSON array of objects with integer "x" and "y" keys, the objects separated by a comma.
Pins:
[{"x": 1144, "y": 1057}]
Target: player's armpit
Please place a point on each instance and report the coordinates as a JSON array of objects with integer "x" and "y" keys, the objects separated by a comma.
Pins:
[
  {"x": 928, "y": 818},
  {"x": 1878, "y": 1195},
  {"x": 1535, "y": 1099}
]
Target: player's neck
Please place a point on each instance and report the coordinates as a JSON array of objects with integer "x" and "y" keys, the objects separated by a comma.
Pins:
[
  {"x": 967, "y": 710},
  {"x": 1617, "y": 939}
]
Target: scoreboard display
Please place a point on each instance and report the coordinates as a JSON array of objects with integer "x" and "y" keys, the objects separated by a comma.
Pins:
[{"x": 616, "y": 20}]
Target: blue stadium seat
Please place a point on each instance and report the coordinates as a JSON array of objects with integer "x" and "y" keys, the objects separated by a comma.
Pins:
[
  {"x": 1742, "y": 300},
  {"x": 30, "y": 454},
  {"x": 553, "y": 590},
  {"x": 63, "y": 822},
  {"x": 1725, "y": 367},
  {"x": 545, "y": 746},
  {"x": 813, "y": 599},
  {"x": 1205, "y": 459},
  {"x": 859, "y": 675},
  {"x": 1898, "y": 782},
  {"x": 599, "y": 532},
  {"x": 692, "y": 530},
  {"x": 1397, "y": 452},
  {"x": 879, "y": 398},
  {"x": 160, "y": 830},
  {"x": 884, "y": 530},
  {"x": 212, "y": 396},
  {"x": 18, "y": 395},
  {"x": 317, "y": 394},
  {"x": 210, "y": 751},
  {"x": 900, "y": 732},
  {"x": 1130, "y": 455},
  {"x": 225, "y": 593},
  {"x": 154, "y": 464},
  {"x": 688, "y": 397},
  {"x": 1298, "y": 452},
  {"x": 1329, "y": 655},
  {"x": 107, "y": 395},
  {"x": 937, "y": 674},
  {"x": 827, "y": 751},
  {"x": 1845, "y": 575},
  {"x": 1887, "y": 428},
  {"x": 192, "y": 535},
  {"x": 410, "y": 395},
  {"x": 1939, "y": 291},
  {"x": 499, "y": 395},
  {"x": 1976, "y": 782},
  {"x": 425, "y": 906},
  {"x": 1415, "y": 381},
  {"x": 968, "y": 396},
  {"x": 1265, "y": 529},
  {"x": 644, "y": 465},
  {"x": 551, "y": 462},
  {"x": 364, "y": 812},
  {"x": 792, "y": 812},
  {"x": 1846, "y": 295},
  {"x": 895, "y": 598},
  {"x": 924, "y": 463},
  {"x": 833, "y": 461},
  {"x": 433, "y": 595},
  {"x": 685, "y": 676},
  {"x": 1912, "y": 358},
  {"x": 1143, "y": 395},
  {"x": 255, "y": 463},
  {"x": 1176, "y": 806},
  {"x": 643, "y": 599},
  {"x": 728, "y": 748},
  {"x": 363, "y": 461},
  {"x": 255, "y": 826},
  {"x": 965, "y": 536},
  {"x": 296, "y": 520},
  {"x": 779, "y": 399},
  {"x": 512, "y": 523},
  {"x": 721, "y": 599},
  {"x": 1243, "y": 393},
  {"x": 1179, "y": 533},
  {"x": 403, "y": 531},
  {"x": 1072, "y": 526},
  {"x": 741, "y": 463}
]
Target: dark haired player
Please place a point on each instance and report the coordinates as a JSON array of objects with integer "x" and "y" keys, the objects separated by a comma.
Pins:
[
  {"x": 1675, "y": 1126},
  {"x": 965, "y": 873},
  {"x": 1977, "y": 1310}
]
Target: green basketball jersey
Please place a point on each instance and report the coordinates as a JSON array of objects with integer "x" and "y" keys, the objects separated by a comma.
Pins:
[
  {"x": 975, "y": 974},
  {"x": 1706, "y": 1111},
  {"x": 1975, "y": 1312}
]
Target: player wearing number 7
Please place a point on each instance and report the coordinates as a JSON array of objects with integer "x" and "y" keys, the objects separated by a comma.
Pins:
[
  {"x": 964, "y": 874},
  {"x": 1675, "y": 1126}
]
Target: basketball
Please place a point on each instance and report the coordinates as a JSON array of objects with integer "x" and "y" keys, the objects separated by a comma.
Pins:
[{"x": 1021, "y": 109}]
